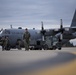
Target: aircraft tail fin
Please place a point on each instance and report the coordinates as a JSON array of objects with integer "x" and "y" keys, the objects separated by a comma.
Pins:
[{"x": 73, "y": 24}]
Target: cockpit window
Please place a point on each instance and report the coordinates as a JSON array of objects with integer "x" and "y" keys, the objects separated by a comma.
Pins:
[{"x": 6, "y": 32}]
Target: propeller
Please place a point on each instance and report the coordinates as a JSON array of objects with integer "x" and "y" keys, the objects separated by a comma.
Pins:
[
  {"x": 61, "y": 29},
  {"x": 42, "y": 31},
  {"x": 42, "y": 25},
  {"x": 57, "y": 30}
]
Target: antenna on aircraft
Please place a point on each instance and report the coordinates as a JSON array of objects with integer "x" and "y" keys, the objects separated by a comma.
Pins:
[{"x": 11, "y": 26}]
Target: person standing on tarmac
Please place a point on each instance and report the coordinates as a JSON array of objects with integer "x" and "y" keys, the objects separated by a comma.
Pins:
[
  {"x": 6, "y": 43},
  {"x": 26, "y": 38},
  {"x": 3, "y": 43}
]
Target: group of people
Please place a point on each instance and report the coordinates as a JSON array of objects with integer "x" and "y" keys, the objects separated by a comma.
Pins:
[{"x": 26, "y": 38}]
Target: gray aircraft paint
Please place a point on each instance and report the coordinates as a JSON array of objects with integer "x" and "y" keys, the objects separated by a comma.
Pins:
[{"x": 15, "y": 34}]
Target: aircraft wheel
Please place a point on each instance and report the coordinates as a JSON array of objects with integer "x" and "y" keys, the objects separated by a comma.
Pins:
[
  {"x": 59, "y": 48},
  {"x": 45, "y": 47},
  {"x": 31, "y": 48},
  {"x": 54, "y": 48},
  {"x": 7, "y": 49},
  {"x": 51, "y": 48}
]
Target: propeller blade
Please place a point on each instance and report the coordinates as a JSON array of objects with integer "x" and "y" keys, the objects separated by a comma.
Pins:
[
  {"x": 61, "y": 29},
  {"x": 42, "y": 25},
  {"x": 61, "y": 25},
  {"x": 61, "y": 36},
  {"x": 42, "y": 31}
]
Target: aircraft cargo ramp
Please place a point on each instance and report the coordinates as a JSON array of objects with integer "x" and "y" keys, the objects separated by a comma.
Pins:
[{"x": 38, "y": 62}]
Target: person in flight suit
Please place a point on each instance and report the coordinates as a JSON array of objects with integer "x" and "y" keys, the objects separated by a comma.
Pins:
[
  {"x": 6, "y": 43},
  {"x": 26, "y": 38},
  {"x": 3, "y": 43}
]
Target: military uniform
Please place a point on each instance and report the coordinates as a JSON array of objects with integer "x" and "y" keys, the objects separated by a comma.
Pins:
[
  {"x": 19, "y": 44},
  {"x": 3, "y": 43},
  {"x": 26, "y": 38},
  {"x": 6, "y": 43}
]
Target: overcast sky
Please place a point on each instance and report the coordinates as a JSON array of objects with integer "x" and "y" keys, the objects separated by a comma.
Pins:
[{"x": 30, "y": 13}]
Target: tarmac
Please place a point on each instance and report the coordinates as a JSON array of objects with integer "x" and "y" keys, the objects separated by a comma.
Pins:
[{"x": 38, "y": 62}]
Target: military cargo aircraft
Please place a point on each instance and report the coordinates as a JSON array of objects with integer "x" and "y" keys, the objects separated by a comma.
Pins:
[{"x": 42, "y": 39}]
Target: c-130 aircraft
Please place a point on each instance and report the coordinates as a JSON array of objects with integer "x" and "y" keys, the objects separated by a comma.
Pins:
[{"x": 42, "y": 39}]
